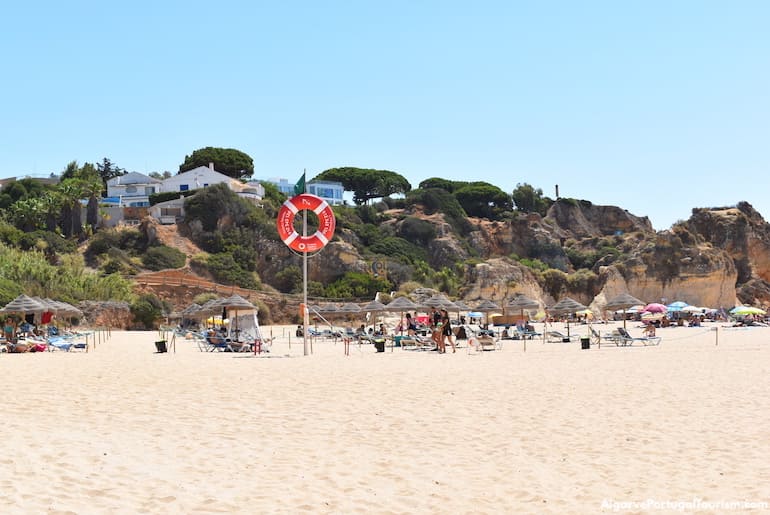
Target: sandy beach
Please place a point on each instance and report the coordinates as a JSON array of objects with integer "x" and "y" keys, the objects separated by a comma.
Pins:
[{"x": 555, "y": 429}]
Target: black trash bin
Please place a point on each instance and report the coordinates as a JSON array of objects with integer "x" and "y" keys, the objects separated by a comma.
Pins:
[
  {"x": 379, "y": 344},
  {"x": 161, "y": 346},
  {"x": 585, "y": 342}
]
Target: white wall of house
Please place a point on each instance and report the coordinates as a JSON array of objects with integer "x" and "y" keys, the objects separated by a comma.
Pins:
[
  {"x": 194, "y": 179},
  {"x": 134, "y": 189}
]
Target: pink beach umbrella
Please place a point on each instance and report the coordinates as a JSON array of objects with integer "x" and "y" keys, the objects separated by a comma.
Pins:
[{"x": 654, "y": 308}]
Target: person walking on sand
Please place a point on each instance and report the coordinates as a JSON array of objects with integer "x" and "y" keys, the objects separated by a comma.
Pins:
[{"x": 446, "y": 331}]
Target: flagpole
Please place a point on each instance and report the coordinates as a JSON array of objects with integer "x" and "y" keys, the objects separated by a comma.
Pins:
[{"x": 304, "y": 274}]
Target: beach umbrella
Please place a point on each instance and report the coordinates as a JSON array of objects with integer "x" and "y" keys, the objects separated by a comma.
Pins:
[
  {"x": 401, "y": 305},
  {"x": 623, "y": 302},
  {"x": 655, "y": 307},
  {"x": 373, "y": 307},
  {"x": 747, "y": 310},
  {"x": 487, "y": 306},
  {"x": 462, "y": 305},
  {"x": 24, "y": 304},
  {"x": 238, "y": 305},
  {"x": 209, "y": 309},
  {"x": 676, "y": 306},
  {"x": 190, "y": 310},
  {"x": 349, "y": 308},
  {"x": 567, "y": 306},
  {"x": 522, "y": 302},
  {"x": 439, "y": 301}
]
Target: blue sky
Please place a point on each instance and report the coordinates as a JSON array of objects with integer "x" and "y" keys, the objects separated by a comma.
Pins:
[{"x": 657, "y": 107}]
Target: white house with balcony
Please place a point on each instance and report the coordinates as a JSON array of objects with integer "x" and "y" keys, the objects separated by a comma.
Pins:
[
  {"x": 196, "y": 178},
  {"x": 132, "y": 189}
]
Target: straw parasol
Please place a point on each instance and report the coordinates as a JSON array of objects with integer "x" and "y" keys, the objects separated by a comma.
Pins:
[
  {"x": 400, "y": 305},
  {"x": 522, "y": 302},
  {"x": 440, "y": 301},
  {"x": 24, "y": 304},
  {"x": 623, "y": 302},
  {"x": 237, "y": 304},
  {"x": 373, "y": 307},
  {"x": 487, "y": 306},
  {"x": 567, "y": 306}
]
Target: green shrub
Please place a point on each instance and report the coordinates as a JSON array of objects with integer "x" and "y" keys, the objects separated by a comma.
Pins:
[
  {"x": 417, "y": 231},
  {"x": 357, "y": 285},
  {"x": 534, "y": 264},
  {"x": 226, "y": 270},
  {"x": 398, "y": 248},
  {"x": 148, "y": 310},
  {"x": 288, "y": 280},
  {"x": 163, "y": 257}
]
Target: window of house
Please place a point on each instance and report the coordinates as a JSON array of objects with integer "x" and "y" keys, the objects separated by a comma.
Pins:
[{"x": 184, "y": 187}]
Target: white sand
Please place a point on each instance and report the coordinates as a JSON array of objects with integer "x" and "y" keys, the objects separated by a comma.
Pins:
[{"x": 556, "y": 429}]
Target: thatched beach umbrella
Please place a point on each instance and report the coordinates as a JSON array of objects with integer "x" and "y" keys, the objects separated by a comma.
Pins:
[
  {"x": 487, "y": 306},
  {"x": 522, "y": 302},
  {"x": 567, "y": 306},
  {"x": 622, "y": 302},
  {"x": 237, "y": 304},
  {"x": 372, "y": 308},
  {"x": 400, "y": 305},
  {"x": 24, "y": 304},
  {"x": 439, "y": 301}
]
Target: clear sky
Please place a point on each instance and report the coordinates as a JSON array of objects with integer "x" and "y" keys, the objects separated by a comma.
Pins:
[{"x": 654, "y": 106}]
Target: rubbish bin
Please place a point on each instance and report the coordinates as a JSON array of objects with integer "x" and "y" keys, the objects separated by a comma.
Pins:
[
  {"x": 585, "y": 342},
  {"x": 161, "y": 346},
  {"x": 379, "y": 344}
]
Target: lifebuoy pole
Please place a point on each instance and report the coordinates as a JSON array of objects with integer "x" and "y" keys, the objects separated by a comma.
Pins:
[{"x": 304, "y": 283}]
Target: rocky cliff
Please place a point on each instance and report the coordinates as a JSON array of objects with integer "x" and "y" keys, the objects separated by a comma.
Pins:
[{"x": 719, "y": 257}]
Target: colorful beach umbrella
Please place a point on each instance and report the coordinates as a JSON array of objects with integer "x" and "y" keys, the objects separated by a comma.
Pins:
[
  {"x": 747, "y": 310},
  {"x": 655, "y": 308}
]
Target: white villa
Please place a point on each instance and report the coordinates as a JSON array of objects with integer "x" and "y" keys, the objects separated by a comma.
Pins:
[{"x": 133, "y": 190}]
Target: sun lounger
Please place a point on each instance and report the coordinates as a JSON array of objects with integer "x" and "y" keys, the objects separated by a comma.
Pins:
[
  {"x": 483, "y": 342},
  {"x": 559, "y": 337},
  {"x": 624, "y": 339},
  {"x": 59, "y": 344}
]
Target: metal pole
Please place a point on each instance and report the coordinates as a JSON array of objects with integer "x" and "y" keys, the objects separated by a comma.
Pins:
[{"x": 304, "y": 285}]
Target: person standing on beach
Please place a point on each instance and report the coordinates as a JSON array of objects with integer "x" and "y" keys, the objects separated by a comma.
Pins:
[
  {"x": 436, "y": 317},
  {"x": 411, "y": 327},
  {"x": 446, "y": 331}
]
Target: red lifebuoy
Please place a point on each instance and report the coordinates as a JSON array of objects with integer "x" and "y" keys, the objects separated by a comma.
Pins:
[{"x": 326, "y": 223}]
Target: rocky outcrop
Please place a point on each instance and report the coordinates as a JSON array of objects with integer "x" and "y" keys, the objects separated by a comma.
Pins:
[
  {"x": 498, "y": 279},
  {"x": 581, "y": 219},
  {"x": 741, "y": 232}
]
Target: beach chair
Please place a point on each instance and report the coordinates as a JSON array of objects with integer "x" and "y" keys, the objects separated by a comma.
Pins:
[
  {"x": 82, "y": 346},
  {"x": 483, "y": 343},
  {"x": 59, "y": 344},
  {"x": 524, "y": 334},
  {"x": 596, "y": 338},
  {"x": 624, "y": 339},
  {"x": 218, "y": 344},
  {"x": 559, "y": 337}
]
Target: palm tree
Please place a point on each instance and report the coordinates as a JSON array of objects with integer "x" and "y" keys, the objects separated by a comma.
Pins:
[
  {"x": 27, "y": 214},
  {"x": 51, "y": 204},
  {"x": 71, "y": 192}
]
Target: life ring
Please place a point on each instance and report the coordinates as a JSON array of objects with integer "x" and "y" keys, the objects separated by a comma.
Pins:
[{"x": 290, "y": 236}]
